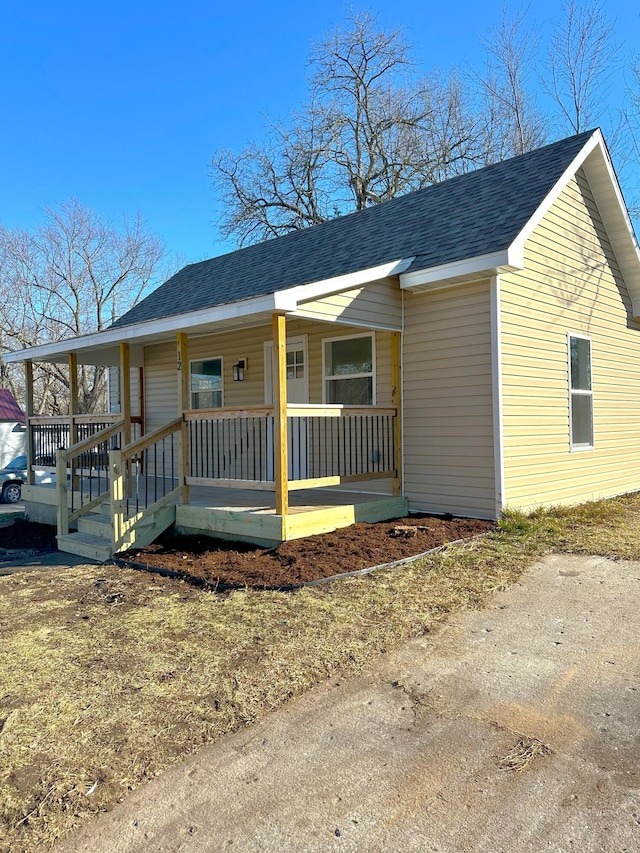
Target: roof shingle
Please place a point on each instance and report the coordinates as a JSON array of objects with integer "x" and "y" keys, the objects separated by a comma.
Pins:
[{"x": 474, "y": 214}]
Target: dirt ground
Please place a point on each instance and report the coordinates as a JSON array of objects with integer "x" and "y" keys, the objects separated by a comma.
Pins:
[
  {"x": 231, "y": 565},
  {"x": 225, "y": 565},
  {"x": 515, "y": 729},
  {"x": 23, "y": 534}
]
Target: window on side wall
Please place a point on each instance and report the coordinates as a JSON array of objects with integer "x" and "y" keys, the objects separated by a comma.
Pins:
[
  {"x": 206, "y": 383},
  {"x": 580, "y": 393},
  {"x": 349, "y": 370}
]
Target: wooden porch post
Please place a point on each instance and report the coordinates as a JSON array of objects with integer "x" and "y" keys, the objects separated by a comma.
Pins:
[
  {"x": 72, "y": 360},
  {"x": 125, "y": 391},
  {"x": 184, "y": 404},
  {"x": 61, "y": 492},
  {"x": 125, "y": 408},
  {"x": 281, "y": 466},
  {"x": 396, "y": 401},
  {"x": 117, "y": 497},
  {"x": 28, "y": 385}
]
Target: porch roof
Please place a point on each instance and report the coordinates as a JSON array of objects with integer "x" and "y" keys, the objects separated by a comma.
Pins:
[{"x": 103, "y": 347}]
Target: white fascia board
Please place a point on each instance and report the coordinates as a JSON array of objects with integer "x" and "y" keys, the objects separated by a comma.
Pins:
[
  {"x": 610, "y": 202},
  {"x": 592, "y": 143},
  {"x": 480, "y": 265},
  {"x": 152, "y": 329},
  {"x": 594, "y": 158},
  {"x": 327, "y": 286}
]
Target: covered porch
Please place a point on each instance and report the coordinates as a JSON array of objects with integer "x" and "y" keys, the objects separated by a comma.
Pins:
[{"x": 259, "y": 473}]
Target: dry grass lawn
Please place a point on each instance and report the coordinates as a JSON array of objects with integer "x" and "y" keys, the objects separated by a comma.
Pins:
[{"x": 108, "y": 675}]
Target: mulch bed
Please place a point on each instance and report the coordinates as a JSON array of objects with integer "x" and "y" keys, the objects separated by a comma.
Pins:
[
  {"x": 220, "y": 564},
  {"x": 227, "y": 565}
]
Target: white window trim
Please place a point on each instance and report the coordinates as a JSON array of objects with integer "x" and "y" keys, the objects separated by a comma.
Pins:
[
  {"x": 111, "y": 404},
  {"x": 326, "y": 378},
  {"x": 207, "y": 358},
  {"x": 300, "y": 342},
  {"x": 580, "y": 448}
]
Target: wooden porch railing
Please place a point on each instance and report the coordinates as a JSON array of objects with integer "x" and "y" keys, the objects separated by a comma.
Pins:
[
  {"x": 83, "y": 468},
  {"x": 327, "y": 445},
  {"x": 49, "y": 433},
  {"x": 330, "y": 445},
  {"x": 137, "y": 479},
  {"x": 145, "y": 476}
]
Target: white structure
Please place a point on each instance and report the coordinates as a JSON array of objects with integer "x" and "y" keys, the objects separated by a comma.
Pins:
[{"x": 13, "y": 431}]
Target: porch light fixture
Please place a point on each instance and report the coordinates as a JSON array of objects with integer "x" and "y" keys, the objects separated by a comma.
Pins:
[{"x": 239, "y": 369}]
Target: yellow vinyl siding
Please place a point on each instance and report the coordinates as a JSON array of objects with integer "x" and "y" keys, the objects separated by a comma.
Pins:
[
  {"x": 160, "y": 385},
  {"x": 113, "y": 378},
  {"x": 571, "y": 284},
  {"x": 448, "y": 408},
  {"x": 378, "y": 305}
]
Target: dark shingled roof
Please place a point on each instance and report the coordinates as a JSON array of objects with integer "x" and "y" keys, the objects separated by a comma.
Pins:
[{"x": 473, "y": 214}]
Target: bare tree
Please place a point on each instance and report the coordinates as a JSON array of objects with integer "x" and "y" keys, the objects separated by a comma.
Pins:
[
  {"x": 74, "y": 275},
  {"x": 628, "y": 132},
  {"x": 371, "y": 130},
  {"x": 278, "y": 187},
  {"x": 580, "y": 62},
  {"x": 514, "y": 124}
]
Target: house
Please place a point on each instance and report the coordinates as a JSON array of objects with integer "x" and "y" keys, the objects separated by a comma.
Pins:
[
  {"x": 12, "y": 428},
  {"x": 471, "y": 346}
]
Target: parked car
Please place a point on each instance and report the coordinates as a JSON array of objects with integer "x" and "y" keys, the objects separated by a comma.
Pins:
[{"x": 15, "y": 474}]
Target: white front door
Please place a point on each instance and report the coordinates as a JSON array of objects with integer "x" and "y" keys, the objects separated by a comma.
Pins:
[{"x": 297, "y": 392}]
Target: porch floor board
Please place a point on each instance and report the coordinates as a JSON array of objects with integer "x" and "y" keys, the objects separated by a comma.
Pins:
[{"x": 248, "y": 500}]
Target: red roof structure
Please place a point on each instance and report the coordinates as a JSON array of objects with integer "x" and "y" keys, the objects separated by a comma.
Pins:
[{"x": 9, "y": 408}]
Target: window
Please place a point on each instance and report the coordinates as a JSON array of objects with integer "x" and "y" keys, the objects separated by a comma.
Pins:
[
  {"x": 295, "y": 364},
  {"x": 348, "y": 371},
  {"x": 206, "y": 384},
  {"x": 580, "y": 393}
]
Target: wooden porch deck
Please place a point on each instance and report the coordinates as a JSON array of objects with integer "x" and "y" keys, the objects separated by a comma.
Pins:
[
  {"x": 251, "y": 516},
  {"x": 247, "y": 514}
]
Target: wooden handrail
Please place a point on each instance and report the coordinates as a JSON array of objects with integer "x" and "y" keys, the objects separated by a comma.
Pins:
[
  {"x": 96, "y": 438},
  {"x": 310, "y": 410},
  {"x": 227, "y": 414},
  {"x": 79, "y": 419},
  {"x": 151, "y": 438},
  {"x": 337, "y": 411}
]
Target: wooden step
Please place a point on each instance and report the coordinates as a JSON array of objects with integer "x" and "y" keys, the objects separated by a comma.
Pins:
[
  {"x": 85, "y": 545},
  {"x": 148, "y": 530},
  {"x": 96, "y": 524},
  {"x": 93, "y": 539}
]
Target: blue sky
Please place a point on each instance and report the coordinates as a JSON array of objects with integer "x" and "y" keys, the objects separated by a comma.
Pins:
[{"x": 123, "y": 104}]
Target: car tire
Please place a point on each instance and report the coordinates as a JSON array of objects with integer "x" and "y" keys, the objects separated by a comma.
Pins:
[{"x": 11, "y": 493}]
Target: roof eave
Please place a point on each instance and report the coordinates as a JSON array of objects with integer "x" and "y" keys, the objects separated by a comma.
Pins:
[
  {"x": 462, "y": 271},
  {"x": 226, "y": 316},
  {"x": 151, "y": 331}
]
